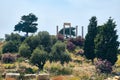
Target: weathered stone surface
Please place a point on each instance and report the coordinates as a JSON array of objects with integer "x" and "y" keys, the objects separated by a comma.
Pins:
[
  {"x": 43, "y": 77},
  {"x": 30, "y": 76},
  {"x": 12, "y": 76}
]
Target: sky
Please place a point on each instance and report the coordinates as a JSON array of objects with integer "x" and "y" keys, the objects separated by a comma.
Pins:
[{"x": 51, "y": 13}]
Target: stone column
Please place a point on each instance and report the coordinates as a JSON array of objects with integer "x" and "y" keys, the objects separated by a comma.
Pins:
[
  {"x": 82, "y": 32},
  {"x": 64, "y": 30},
  {"x": 70, "y": 31},
  {"x": 56, "y": 30},
  {"x": 76, "y": 31}
]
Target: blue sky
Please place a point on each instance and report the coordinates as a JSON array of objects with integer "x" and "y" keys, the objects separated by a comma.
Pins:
[{"x": 55, "y": 12}]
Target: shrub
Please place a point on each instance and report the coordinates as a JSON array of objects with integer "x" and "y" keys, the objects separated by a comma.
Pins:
[
  {"x": 8, "y": 58},
  {"x": 21, "y": 59},
  {"x": 29, "y": 71},
  {"x": 65, "y": 71},
  {"x": 103, "y": 66},
  {"x": 58, "y": 69},
  {"x": 53, "y": 39},
  {"x": 35, "y": 69},
  {"x": 70, "y": 46},
  {"x": 12, "y": 37},
  {"x": 9, "y": 66},
  {"x": 79, "y": 41},
  {"x": 58, "y": 53},
  {"x": 10, "y": 46},
  {"x": 60, "y": 37},
  {"x": 24, "y": 50}
]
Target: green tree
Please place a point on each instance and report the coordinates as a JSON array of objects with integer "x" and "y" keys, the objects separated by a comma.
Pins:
[
  {"x": 27, "y": 24},
  {"x": 32, "y": 41},
  {"x": 106, "y": 42},
  {"x": 89, "y": 45},
  {"x": 67, "y": 33},
  {"x": 53, "y": 39},
  {"x": 24, "y": 50},
  {"x": 58, "y": 53},
  {"x": 14, "y": 39},
  {"x": 9, "y": 46},
  {"x": 39, "y": 58},
  {"x": 45, "y": 40}
]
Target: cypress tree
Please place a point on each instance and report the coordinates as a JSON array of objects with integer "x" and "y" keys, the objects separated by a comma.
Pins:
[
  {"x": 89, "y": 39},
  {"x": 106, "y": 42}
]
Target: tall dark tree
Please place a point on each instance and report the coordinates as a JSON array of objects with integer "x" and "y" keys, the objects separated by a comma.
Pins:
[
  {"x": 27, "y": 24},
  {"x": 106, "y": 42},
  {"x": 89, "y": 39}
]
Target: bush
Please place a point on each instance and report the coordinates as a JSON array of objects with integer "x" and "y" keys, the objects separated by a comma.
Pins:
[
  {"x": 70, "y": 46},
  {"x": 58, "y": 69},
  {"x": 53, "y": 39},
  {"x": 12, "y": 37},
  {"x": 103, "y": 66},
  {"x": 9, "y": 66},
  {"x": 65, "y": 71},
  {"x": 24, "y": 50},
  {"x": 8, "y": 58},
  {"x": 60, "y": 37},
  {"x": 10, "y": 46},
  {"x": 35, "y": 69},
  {"x": 29, "y": 71},
  {"x": 79, "y": 41},
  {"x": 20, "y": 59},
  {"x": 58, "y": 53}
]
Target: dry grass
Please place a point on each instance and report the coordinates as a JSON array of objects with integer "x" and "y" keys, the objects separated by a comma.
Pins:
[{"x": 82, "y": 69}]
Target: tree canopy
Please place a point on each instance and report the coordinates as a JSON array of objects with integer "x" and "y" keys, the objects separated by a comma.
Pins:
[
  {"x": 106, "y": 42},
  {"x": 89, "y": 45},
  {"x": 27, "y": 24}
]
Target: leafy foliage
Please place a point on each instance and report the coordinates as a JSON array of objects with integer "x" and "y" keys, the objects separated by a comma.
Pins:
[
  {"x": 24, "y": 50},
  {"x": 32, "y": 41},
  {"x": 60, "y": 37},
  {"x": 45, "y": 40},
  {"x": 103, "y": 66},
  {"x": 8, "y": 58},
  {"x": 13, "y": 37},
  {"x": 79, "y": 41},
  {"x": 89, "y": 45},
  {"x": 58, "y": 53},
  {"x": 53, "y": 39},
  {"x": 70, "y": 46},
  {"x": 106, "y": 42},
  {"x": 13, "y": 42},
  {"x": 10, "y": 46},
  {"x": 39, "y": 57},
  {"x": 27, "y": 24}
]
